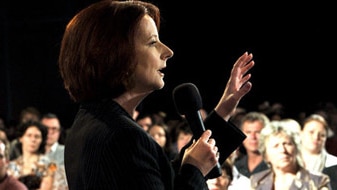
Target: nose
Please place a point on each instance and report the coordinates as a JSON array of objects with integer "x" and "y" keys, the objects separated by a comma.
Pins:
[{"x": 167, "y": 52}]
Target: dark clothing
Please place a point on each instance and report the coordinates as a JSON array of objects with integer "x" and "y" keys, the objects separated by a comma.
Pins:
[
  {"x": 107, "y": 149},
  {"x": 332, "y": 173},
  {"x": 242, "y": 166}
]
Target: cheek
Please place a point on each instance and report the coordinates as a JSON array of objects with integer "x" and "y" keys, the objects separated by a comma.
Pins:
[
  {"x": 39, "y": 141},
  {"x": 269, "y": 155}
]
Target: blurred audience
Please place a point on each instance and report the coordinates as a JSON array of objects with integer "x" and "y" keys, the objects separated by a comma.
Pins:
[
  {"x": 182, "y": 135},
  {"x": 32, "y": 167},
  {"x": 55, "y": 150},
  {"x": 145, "y": 120},
  {"x": 30, "y": 113},
  {"x": 222, "y": 182},
  {"x": 160, "y": 133},
  {"x": 252, "y": 161},
  {"x": 280, "y": 148},
  {"x": 273, "y": 111},
  {"x": 7, "y": 182},
  {"x": 314, "y": 135}
]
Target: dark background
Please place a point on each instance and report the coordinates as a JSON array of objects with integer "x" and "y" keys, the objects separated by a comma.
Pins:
[{"x": 294, "y": 47}]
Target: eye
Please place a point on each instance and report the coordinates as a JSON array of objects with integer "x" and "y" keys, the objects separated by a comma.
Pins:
[{"x": 153, "y": 42}]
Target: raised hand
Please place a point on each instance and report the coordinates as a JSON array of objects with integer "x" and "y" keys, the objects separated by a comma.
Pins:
[{"x": 237, "y": 86}]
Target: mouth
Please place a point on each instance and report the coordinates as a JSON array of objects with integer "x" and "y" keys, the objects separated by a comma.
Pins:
[{"x": 162, "y": 70}]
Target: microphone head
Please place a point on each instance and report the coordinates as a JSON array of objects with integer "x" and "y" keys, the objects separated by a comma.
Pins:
[{"x": 186, "y": 98}]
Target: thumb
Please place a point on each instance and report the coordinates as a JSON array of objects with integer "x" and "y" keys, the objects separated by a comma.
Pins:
[{"x": 206, "y": 135}]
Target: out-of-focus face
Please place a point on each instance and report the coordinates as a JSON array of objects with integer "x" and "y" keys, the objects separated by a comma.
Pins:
[
  {"x": 252, "y": 130},
  {"x": 281, "y": 152},
  {"x": 54, "y": 128},
  {"x": 31, "y": 140},
  {"x": 313, "y": 136},
  {"x": 158, "y": 134},
  {"x": 151, "y": 57},
  {"x": 220, "y": 183},
  {"x": 145, "y": 122},
  {"x": 183, "y": 139}
]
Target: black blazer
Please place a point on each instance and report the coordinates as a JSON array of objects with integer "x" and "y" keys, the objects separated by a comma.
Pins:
[{"x": 106, "y": 149}]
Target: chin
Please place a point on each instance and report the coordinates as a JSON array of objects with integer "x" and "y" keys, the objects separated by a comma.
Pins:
[{"x": 161, "y": 85}]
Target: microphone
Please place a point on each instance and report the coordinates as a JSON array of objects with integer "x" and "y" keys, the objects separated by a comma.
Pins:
[{"x": 188, "y": 102}]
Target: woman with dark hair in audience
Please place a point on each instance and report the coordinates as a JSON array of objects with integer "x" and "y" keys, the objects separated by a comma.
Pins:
[{"x": 33, "y": 168}]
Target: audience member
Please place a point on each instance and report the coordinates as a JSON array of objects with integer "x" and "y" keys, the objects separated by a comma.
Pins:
[
  {"x": 280, "y": 148},
  {"x": 55, "y": 150},
  {"x": 30, "y": 113},
  {"x": 239, "y": 181},
  {"x": 182, "y": 135},
  {"x": 7, "y": 182},
  {"x": 111, "y": 58},
  {"x": 32, "y": 167},
  {"x": 145, "y": 120},
  {"x": 237, "y": 116},
  {"x": 313, "y": 135},
  {"x": 329, "y": 111},
  {"x": 252, "y": 161},
  {"x": 160, "y": 133},
  {"x": 222, "y": 182}
]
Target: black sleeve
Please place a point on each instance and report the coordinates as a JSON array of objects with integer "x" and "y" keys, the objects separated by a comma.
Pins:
[
  {"x": 227, "y": 136},
  {"x": 190, "y": 178}
]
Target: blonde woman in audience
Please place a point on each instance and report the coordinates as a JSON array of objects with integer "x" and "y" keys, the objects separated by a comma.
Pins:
[
  {"x": 314, "y": 135},
  {"x": 33, "y": 168},
  {"x": 280, "y": 148}
]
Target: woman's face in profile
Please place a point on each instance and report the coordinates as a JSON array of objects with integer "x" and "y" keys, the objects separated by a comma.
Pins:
[{"x": 151, "y": 56}]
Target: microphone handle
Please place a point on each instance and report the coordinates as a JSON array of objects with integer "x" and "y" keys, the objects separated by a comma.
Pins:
[{"x": 197, "y": 126}]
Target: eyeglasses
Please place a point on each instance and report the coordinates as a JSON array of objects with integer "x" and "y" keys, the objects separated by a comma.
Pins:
[{"x": 53, "y": 129}]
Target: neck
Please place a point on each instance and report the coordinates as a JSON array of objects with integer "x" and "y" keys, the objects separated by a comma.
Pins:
[
  {"x": 307, "y": 152},
  {"x": 48, "y": 148},
  {"x": 28, "y": 156},
  {"x": 130, "y": 100}
]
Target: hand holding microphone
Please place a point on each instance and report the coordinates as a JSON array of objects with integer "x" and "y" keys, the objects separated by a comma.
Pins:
[{"x": 203, "y": 153}]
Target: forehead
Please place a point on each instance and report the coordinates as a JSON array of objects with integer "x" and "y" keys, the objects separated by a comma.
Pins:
[
  {"x": 277, "y": 138},
  {"x": 50, "y": 121},
  {"x": 314, "y": 125},
  {"x": 33, "y": 129},
  {"x": 257, "y": 125},
  {"x": 147, "y": 27},
  {"x": 156, "y": 128}
]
